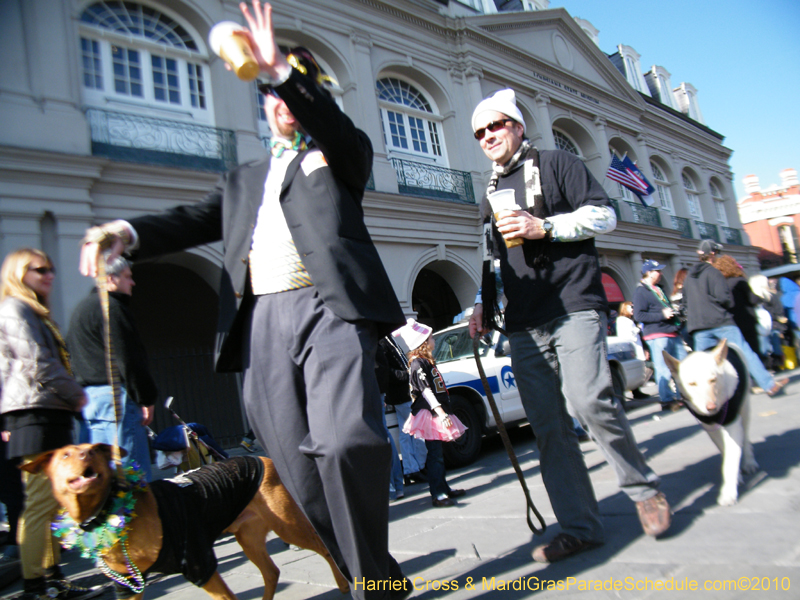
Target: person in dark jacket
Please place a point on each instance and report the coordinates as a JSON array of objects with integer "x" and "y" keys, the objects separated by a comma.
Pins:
[
  {"x": 744, "y": 301},
  {"x": 556, "y": 319},
  {"x": 660, "y": 329},
  {"x": 303, "y": 300},
  {"x": 138, "y": 392},
  {"x": 709, "y": 304}
]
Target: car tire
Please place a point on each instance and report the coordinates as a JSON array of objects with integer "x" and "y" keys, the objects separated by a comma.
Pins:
[
  {"x": 465, "y": 449},
  {"x": 618, "y": 382}
]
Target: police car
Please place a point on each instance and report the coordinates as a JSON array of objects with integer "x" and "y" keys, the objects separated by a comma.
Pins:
[{"x": 456, "y": 362}]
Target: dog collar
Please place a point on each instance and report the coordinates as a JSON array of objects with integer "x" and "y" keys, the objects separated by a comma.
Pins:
[{"x": 96, "y": 535}]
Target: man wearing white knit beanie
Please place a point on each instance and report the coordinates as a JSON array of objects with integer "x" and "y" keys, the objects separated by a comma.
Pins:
[{"x": 556, "y": 320}]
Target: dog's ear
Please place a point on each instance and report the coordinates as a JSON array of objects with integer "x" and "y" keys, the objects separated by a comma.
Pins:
[
  {"x": 672, "y": 363},
  {"x": 720, "y": 351},
  {"x": 39, "y": 464}
]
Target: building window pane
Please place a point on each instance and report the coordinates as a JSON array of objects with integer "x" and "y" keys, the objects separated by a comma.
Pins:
[
  {"x": 434, "y": 136},
  {"x": 129, "y": 18},
  {"x": 397, "y": 130},
  {"x": 417, "y": 129},
  {"x": 92, "y": 64},
  {"x": 404, "y": 128},
  {"x": 197, "y": 87},
  {"x": 662, "y": 187},
  {"x": 127, "y": 71},
  {"x": 165, "y": 80},
  {"x": 564, "y": 143}
]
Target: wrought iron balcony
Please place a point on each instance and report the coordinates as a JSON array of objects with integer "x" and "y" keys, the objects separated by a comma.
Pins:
[
  {"x": 683, "y": 225},
  {"x": 151, "y": 140},
  {"x": 430, "y": 181},
  {"x": 646, "y": 215},
  {"x": 732, "y": 236},
  {"x": 708, "y": 231}
]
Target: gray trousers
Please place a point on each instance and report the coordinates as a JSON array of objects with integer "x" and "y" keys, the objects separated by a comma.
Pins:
[
  {"x": 566, "y": 360},
  {"x": 312, "y": 398}
]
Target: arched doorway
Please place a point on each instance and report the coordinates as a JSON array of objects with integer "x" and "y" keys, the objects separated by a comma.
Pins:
[
  {"x": 176, "y": 311},
  {"x": 434, "y": 300}
]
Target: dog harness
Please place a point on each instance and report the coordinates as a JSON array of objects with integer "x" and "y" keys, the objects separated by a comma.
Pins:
[{"x": 195, "y": 508}]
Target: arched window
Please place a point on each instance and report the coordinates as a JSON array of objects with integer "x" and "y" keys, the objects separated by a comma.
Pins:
[
  {"x": 662, "y": 187},
  {"x": 563, "y": 142},
  {"x": 134, "y": 55},
  {"x": 719, "y": 203},
  {"x": 410, "y": 125},
  {"x": 692, "y": 197}
]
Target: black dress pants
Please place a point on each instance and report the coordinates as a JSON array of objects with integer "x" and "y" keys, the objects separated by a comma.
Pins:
[{"x": 312, "y": 398}]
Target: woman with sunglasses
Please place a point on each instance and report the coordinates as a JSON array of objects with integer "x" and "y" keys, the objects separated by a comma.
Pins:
[{"x": 38, "y": 401}]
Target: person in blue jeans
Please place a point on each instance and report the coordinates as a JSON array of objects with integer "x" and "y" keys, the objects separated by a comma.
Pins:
[
  {"x": 709, "y": 306},
  {"x": 138, "y": 392},
  {"x": 660, "y": 329}
]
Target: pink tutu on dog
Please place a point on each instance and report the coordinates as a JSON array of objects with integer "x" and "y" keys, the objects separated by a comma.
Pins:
[{"x": 425, "y": 426}]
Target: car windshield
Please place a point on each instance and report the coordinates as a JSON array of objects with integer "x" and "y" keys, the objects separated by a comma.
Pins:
[{"x": 455, "y": 344}]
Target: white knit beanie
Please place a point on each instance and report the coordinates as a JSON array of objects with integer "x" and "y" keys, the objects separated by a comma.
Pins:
[
  {"x": 411, "y": 335},
  {"x": 504, "y": 101}
]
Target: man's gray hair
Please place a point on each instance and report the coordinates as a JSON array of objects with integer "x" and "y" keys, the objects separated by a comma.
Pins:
[{"x": 117, "y": 266}]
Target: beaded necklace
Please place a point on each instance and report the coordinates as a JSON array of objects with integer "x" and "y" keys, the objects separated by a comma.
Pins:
[{"x": 97, "y": 535}]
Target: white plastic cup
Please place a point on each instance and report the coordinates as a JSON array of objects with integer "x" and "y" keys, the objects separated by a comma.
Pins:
[
  {"x": 502, "y": 201},
  {"x": 233, "y": 49}
]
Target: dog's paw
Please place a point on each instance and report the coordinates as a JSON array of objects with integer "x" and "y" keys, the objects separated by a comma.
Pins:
[
  {"x": 727, "y": 499},
  {"x": 750, "y": 468}
]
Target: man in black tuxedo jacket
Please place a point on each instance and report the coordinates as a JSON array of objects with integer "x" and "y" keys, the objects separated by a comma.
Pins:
[{"x": 304, "y": 298}]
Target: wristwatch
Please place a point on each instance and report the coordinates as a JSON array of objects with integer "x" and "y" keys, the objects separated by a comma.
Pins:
[{"x": 547, "y": 227}]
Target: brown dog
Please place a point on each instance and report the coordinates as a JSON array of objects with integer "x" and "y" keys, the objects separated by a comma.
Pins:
[{"x": 82, "y": 478}]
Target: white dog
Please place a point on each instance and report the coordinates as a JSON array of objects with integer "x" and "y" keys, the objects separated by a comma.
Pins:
[{"x": 715, "y": 385}]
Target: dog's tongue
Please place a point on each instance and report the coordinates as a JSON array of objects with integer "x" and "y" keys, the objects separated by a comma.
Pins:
[{"x": 80, "y": 483}]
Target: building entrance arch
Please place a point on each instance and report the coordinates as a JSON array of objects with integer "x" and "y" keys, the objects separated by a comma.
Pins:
[{"x": 176, "y": 311}]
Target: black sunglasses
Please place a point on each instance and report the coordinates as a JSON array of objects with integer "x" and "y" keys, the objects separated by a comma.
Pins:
[
  {"x": 493, "y": 126},
  {"x": 43, "y": 270}
]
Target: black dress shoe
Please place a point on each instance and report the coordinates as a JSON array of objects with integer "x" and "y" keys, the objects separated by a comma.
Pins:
[
  {"x": 443, "y": 503},
  {"x": 456, "y": 493}
]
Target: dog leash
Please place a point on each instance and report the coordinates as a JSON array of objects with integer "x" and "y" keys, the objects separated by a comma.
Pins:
[
  {"x": 104, "y": 239},
  {"x": 501, "y": 428}
]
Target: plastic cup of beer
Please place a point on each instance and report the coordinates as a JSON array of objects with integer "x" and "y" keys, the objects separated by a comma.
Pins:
[
  {"x": 502, "y": 201},
  {"x": 233, "y": 49}
]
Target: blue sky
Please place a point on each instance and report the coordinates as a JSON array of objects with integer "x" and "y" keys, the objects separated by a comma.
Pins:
[{"x": 743, "y": 57}]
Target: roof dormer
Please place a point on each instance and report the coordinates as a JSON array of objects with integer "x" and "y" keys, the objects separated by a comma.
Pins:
[
  {"x": 589, "y": 30},
  {"x": 658, "y": 81},
  {"x": 686, "y": 96},
  {"x": 626, "y": 59}
]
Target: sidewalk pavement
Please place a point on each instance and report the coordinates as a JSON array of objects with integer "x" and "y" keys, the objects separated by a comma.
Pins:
[{"x": 748, "y": 550}]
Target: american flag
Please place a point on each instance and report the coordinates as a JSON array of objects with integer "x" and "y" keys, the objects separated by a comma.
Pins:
[{"x": 624, "y": 172}]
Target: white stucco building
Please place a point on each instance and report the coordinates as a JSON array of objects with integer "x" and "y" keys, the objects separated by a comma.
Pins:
[{"x": 110, "y": 109}]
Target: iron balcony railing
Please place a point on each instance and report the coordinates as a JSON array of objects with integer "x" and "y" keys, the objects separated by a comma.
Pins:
[
  {"x": 683, "y": 225},
  {"x": 151, "y": 140},
  {"x": 430, "y": 181},
  {"x": 707, "y": 231},
  {"x": 732, "y": 236},
  {"x": 646, "y": 215}
]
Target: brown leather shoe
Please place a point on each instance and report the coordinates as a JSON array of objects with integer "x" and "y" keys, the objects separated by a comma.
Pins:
[
  {"x": 654, "y": 514},
  {"x": 443, "y": 503},
  {"x": 560, "y": 547}
]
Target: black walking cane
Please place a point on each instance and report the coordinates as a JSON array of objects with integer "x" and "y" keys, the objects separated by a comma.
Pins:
[{"x": 501, "y": 428}]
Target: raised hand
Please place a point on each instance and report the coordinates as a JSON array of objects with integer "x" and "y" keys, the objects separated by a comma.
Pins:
[{"x": 261, "y": 37}]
